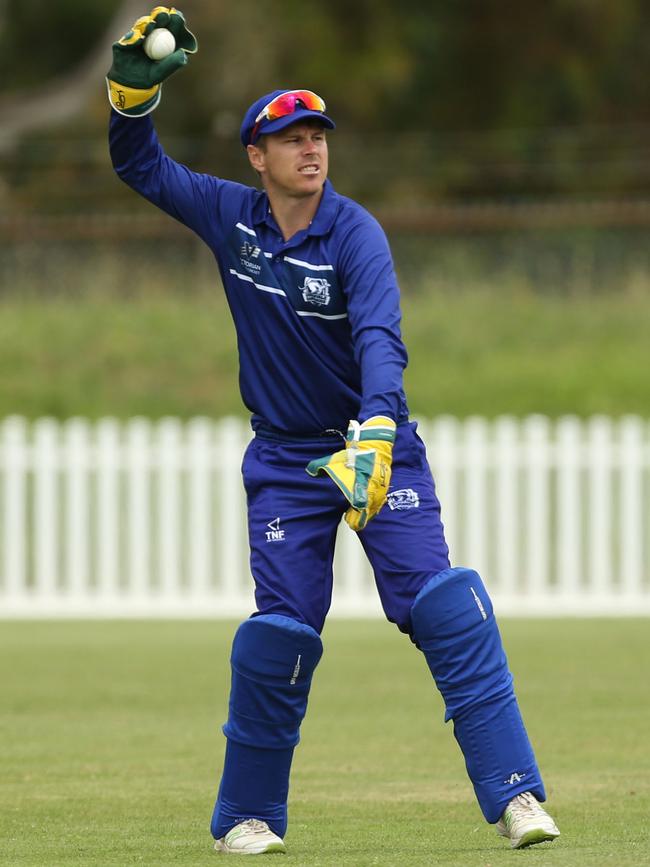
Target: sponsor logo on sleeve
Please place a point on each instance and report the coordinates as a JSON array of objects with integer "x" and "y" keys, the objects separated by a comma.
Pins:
[{"x": 249, "y": 256}]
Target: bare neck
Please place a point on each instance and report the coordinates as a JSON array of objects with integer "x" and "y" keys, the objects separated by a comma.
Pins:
[{"x": 293, "y": 213}]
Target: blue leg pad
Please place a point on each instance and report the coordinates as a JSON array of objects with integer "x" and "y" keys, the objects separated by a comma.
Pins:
[
  {"x": 454, "y": 626},
  {"x": 254, "y": 784},
  {"x": 273, "y": 659}
]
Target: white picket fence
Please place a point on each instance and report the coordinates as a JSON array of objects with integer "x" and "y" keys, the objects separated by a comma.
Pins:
[{"x": 141, "y": 519}]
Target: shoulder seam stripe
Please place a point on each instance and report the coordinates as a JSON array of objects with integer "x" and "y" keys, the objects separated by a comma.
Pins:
[
  {"x": 246, "y": 229},
  {"x": 272, "y": 289},
  {"x": 322, "y": 315},
  {"x": 275, "y": 291},
  {"x": 308, "y": 264}
]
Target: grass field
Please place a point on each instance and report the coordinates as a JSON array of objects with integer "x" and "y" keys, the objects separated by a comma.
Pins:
[
  {"x": 111, "y": 750},
  {"x": 486, "y": 351}
]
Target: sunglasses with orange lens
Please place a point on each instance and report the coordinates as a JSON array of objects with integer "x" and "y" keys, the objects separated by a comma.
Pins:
[{"x": 285, "y": 104}]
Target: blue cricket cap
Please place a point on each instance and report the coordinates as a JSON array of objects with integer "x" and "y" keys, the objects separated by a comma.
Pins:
[{"x": 267, "y": 126}]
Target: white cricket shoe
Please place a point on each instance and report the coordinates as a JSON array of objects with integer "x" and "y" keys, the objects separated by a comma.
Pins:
[
  {"x": 251, "y": 837},
  {"x": 525, "y": 822}
]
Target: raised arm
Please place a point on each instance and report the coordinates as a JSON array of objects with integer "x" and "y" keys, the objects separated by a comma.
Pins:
[
  {"x": 200, "y": 201},
  {"x": 140, "y": 161}
]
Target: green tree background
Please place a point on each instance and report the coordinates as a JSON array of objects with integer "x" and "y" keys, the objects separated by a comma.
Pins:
[
  {"x": 504, "y": 145},
  {"x": 505, "y": 97}
]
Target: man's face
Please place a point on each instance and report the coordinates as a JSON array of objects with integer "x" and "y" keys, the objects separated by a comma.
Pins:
[{"x": 292, "y": 162}]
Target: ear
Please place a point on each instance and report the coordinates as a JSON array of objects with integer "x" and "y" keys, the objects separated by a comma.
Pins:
[{"x": 257, "y": 157}]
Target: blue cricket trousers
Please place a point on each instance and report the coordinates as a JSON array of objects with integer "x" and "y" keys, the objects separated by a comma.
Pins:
[{"x": 293, "y": 519}]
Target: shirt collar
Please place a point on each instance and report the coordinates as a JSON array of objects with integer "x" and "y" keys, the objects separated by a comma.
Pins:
[
  {"x": 327, "y": 210},
  {"x": 323, "y": 219}
]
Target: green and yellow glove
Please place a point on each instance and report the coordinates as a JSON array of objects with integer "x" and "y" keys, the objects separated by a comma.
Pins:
[
  {"x": 134, "y": 80},
  {"x": 362, "y": 469}
]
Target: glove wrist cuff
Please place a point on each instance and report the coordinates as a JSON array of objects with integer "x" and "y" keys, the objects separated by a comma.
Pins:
[
  {"x": 378, "y": 427},
  {"x": 132, "y": 101}
]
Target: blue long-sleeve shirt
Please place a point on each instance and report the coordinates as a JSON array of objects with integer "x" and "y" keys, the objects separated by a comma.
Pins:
[{"x": 317, "y": 316}]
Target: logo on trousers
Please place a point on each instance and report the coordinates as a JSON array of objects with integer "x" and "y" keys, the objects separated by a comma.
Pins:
[
  {"x": 405, "y": 498},
  {"x": 514, "y": 778},
  {"x": 296, "y": 671},
  {"x": 274, "y": 533}
]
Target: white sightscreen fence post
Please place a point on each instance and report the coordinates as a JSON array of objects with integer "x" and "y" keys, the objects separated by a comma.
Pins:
[
  {"x": 633, "y": 530},
  {"x": 167, "y": 449},
  {"x": 142, "y": 518},
  {"x": 75, "y": 515},
  {"x": 507, "y": 458},
  {"x": 536, "y": 432},
  {"x": 599, "y": 505},
  {"x": 476, "y": 433},
  {"x": 354, "y": 588},
  {"x": 46, "y": 530},
  {"x": 568, "y": 508},
  {"x": 136, "y": 497},
  {"x": 108, "y": 563},
  {"x": 13, "y": 505},
  {"x": 199, "y": 507},
  {"x": 231, "y": 440},
  {"x": 443, "y": 449}
]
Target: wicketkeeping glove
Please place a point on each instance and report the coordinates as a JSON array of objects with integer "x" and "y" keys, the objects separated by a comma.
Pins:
[
  {"x": 362, "y": 469},
  {"x": 134, "y": 80}
]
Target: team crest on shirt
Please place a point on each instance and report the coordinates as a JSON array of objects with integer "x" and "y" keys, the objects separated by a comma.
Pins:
[
  {"x": 249, "y": 254},
  {"x": 405, "y": 498},
  {"x": 315, "y": 290}
]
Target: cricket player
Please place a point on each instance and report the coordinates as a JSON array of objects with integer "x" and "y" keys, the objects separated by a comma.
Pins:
[{"x": 310, "y": 282}]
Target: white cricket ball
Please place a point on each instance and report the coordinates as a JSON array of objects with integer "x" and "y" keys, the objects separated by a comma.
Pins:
[{"x": 159, "y": 43}]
